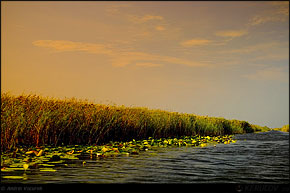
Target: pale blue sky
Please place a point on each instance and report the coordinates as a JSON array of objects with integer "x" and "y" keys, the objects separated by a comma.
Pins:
[{"x": 222, "y": 59}]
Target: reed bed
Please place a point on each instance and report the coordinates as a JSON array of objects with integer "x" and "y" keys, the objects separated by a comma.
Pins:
[
  {"x": 32, "y": 120},
  {"x": 285, "y": 128}
]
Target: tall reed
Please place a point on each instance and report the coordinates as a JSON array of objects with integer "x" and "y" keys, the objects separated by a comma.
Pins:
[
  {"x": 285, "y": 128},
  {"x": 33, "y": 120}
]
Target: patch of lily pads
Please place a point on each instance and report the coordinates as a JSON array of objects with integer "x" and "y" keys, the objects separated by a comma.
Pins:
[{"x": 49, "y": 158}]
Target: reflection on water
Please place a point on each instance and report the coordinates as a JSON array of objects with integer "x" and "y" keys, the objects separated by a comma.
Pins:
[{"x": 255, "y": 158}]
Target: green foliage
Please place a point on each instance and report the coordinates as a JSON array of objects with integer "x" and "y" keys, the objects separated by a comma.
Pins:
[
  {"x": 49, "y": 159},
  {"x": 258, "y": 128},
  {"x": 32, "y": 120},
  {"x": 285, "y": 128}
]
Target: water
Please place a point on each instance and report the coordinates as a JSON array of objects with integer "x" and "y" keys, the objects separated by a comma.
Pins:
[{"x": 254, "y": 158}]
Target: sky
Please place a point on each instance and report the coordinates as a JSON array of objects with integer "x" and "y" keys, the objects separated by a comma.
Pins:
[{"x": 220, "y": 59}]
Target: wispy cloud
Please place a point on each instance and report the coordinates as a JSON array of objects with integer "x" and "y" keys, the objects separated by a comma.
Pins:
[
  {"x": 145, "y": 18},
  {"x": 126, "y": 58},
  {"x": 118, "y": 57},
  {"x": 270, "y": 74},
  {"x": 143, "y": 22},
  {"x": 115, "y": 8},
  {"x": 148, "y": 64},
  {"x": 261, "y": 52},
  {"x": 232, "y": 33},
  {"x": 262, "y": 47},
  {"x": 282, "y": 7},
  {"x": 195, "y": 42},
  {"x": 278, "y": 13},
  {"x": 260, "y": 19},
  {"x": 62, "y": 45},
  {"x": 160, "y": 28}
]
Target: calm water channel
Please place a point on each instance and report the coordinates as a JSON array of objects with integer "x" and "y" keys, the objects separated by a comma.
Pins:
[{"x": 254, "y": 158}]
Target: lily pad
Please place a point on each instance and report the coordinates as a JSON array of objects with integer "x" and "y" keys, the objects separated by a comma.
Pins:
[
  {"x": 20, "y": 169},
  {"x": 7, "y": 169},
  {"x": 13, "y": 177},
  {"x": 69, "y": 157},
  {"x": 39, "y": 153},
  {"x": 56, "y": 162},
  {"x": 47, "y": 170},
  {"x": 16, "y": 165},
  {"x": 47, "y": 165}
]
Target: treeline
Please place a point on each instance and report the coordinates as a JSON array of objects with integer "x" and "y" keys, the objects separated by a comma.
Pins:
[{"x": 34, "y": 121}]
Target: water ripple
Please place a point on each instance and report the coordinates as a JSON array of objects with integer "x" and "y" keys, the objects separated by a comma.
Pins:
[{"x": 255, "y": 158}]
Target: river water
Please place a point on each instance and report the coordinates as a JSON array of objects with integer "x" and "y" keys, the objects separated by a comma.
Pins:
[{"x": 254, "y": 158}]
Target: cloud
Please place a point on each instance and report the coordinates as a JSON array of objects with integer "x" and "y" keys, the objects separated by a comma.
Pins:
[
  {"x": 278, "y": 56},
  {"x": 232, "y": 33},
  {"x": 115, "y": 8},
  {"x": 148, "y": 64},
  {"x": 278, "y": 13},
  {"x": 62, "y": 45},
  {"x": 160, "y": 28},
  {"x": 181, "y": 61},
  {"x": 260, "y": 19},
  {"x": 270, "y": 74},
  {"x": 282, "y": 7},
  {"x": 253, "y": 48},
  {"x": 145, "y": 18},
  {"x": 119, "y": 57},
  {"x": 262, "y": 53},
  {"x": 127, "y": 58},
  {"x": 195, "y": 42}
]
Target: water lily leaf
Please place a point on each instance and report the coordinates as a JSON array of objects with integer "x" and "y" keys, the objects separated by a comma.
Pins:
[
  {"x": 115, "y": 149},
  {"x": 39, "y": 153},
  {"x": 47, "y": 170},
  {"x": 32, "y": 152},
  {"x": 29, "y": 152},
  {"x": 48, "y": 165},
  {"x": 44, "y": 159},
  {"x": 203, "y": 145},
  {"x": 104, "y": 149},
  {"x": 16, "y": 160},
  {"x": 56, "y": 162},
  {"x": 71, "y": 152},
  {"x": 69, "y": 157},
  {"x": 7, "y": 169},
  {"x": 48, "y": 155},
  {"x": 73, "y": 158},
  {"x": 125, "y": 153},
  {"x": 20, "y": 169},
  {"x": 16, "y": 165},
  {"x": 25, "y": 166},
  {"x": 13, "y": 177}
]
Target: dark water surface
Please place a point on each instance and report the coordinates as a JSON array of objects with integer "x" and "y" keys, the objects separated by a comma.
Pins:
[{"x": 254, "y": 158}]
